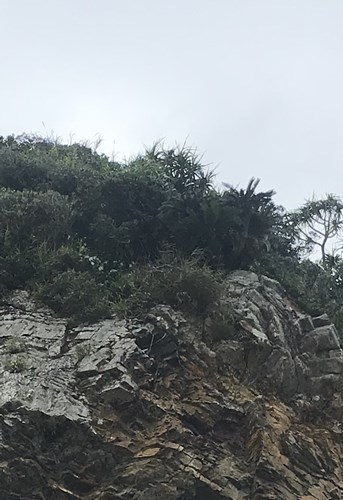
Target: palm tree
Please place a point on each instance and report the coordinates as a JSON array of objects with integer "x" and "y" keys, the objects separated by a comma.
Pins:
[{"x": 255, "y": 218}]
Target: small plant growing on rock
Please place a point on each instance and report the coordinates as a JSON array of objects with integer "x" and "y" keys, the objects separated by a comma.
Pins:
[
  {"x": 82, "y": 350},
  {"x": 222, "y": 328},
  {"x": 221, "y": 324},
  {"x": 15, "y": 364},
  {"x": 15, "y": 346}
]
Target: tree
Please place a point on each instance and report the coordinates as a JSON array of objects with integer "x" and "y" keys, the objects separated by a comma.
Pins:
[
  {"x": 69, "y": 216},
  {"x": 252, "y": 223},
  {"x": 317, "y": 222}
]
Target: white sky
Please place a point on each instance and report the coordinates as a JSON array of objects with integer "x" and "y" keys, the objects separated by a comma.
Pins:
[{"x": 256, "y": 85}]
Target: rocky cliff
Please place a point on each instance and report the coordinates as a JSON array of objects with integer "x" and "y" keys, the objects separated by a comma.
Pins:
[{"x": 165, "y": 409}]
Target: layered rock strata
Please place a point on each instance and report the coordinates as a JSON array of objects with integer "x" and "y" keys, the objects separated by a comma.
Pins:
[{"x": 161, "y": 408}]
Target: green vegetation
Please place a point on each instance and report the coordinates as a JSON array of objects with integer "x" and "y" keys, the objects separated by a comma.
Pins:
[
  {"x": 89, "y": 236},
  {"x": 318, "y": 221},
  {"x": 221, "y": 324},
  {"x": 82, "y": 350},
  {"x": 15, "y": 345},
  {"x": 75, "y": 295},
  {"x": 316, "y": 285},
  {"x": 185, "y": 284},
  {"x": 15, "y": 364}
]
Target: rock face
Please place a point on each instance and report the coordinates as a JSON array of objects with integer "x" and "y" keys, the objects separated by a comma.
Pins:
[
  {"x": 286, "y": 350},
  {"x": 161, "y": 409}
]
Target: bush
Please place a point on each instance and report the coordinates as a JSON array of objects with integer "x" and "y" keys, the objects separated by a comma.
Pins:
[
  {"x": 221, "y": 324},
  {"x": 15, "y": 345},
  {"x": 75, "y": 295},
  {"x": 68, "y": 215},
  {"x": 74, "y": 256},
  {"x": 31, "y": 225},
  {"x": 181, "y": 283},
  {"x": 17, "y": 268},
  {"x": 38, "y": 164},
  {"x": 28, "y": 218},
  {"x": 15, "y": 364}
]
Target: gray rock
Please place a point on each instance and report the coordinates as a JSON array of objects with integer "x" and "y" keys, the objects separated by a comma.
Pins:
[
  {"x": 295, "y": 350},
  {"x": 281, "y": 371},
  {"x": 327, "y": 365},
  {"x": 323, "y": 338},
  {"x": 306, "y": 323},
  {"x": 231, "y": 355},
  {"x": 120, "y": 391},
  {"x": 146, "y": 409},
  {"x": 322, "y": 320}
]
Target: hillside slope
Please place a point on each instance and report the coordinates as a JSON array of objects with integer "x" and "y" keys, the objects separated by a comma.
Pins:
[{"x": 128, "y": 409}]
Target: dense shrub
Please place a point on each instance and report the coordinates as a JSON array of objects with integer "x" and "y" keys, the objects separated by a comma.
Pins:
[
  {"x": 78, "y": 228},
  {"x": 34, "y": 163},
  {"x": 75, "y": 295},
  {"x": 17, "y": 268},
  {"x": 29, "y": 218},
  {"x": 181, "y": 283}
]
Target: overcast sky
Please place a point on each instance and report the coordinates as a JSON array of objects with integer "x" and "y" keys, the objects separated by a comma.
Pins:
[{"x": 255, "y": 85}]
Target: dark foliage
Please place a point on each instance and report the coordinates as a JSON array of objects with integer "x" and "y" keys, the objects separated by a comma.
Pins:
[
  {"x": 83, "y": 231},
  {"x": 75, "y": 295},
  {"x": 185, "y": 284}
]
